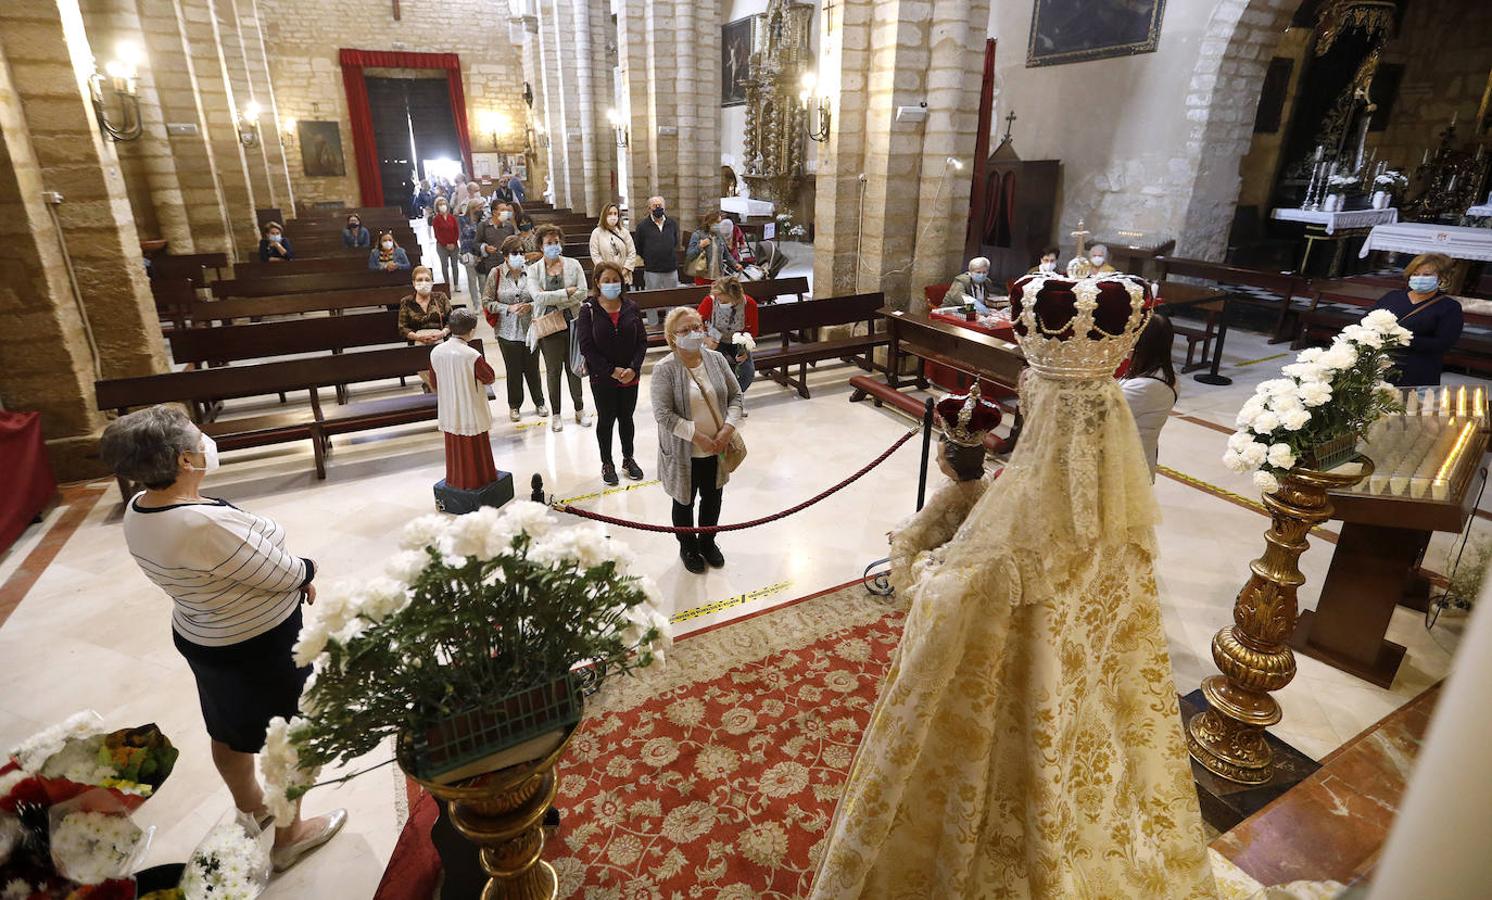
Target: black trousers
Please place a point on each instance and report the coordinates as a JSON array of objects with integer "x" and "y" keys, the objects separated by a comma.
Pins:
[
  {"x": 614, "y": 407},
  {"x": 702, "y": 471},
  {"x": 522, "y": 365}
]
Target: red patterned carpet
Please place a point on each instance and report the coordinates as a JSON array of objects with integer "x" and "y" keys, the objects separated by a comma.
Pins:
[{"x": 717, "y": 775}]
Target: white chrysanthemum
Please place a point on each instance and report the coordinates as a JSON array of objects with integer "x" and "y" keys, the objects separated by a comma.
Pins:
[
  {"x": 1381, "y": 320},
  {"x": 1254, "y": 454},
  {"x": 423, "y": 532},
  {"x": 1239, "y": 439},
  {"x": 1265, "y": 422},
  {"x": 77, "y": 761},
  {"x": 381, "y": 598},
  {"x": 1294, "y": 419},
  {"x": 279, "y": 763},
  {"x": 229, "y": 864},
  {"x": 1342, "y": 355},
  {"x": 1283, "y": 403},
  {"x": 407, "y": 565},
  {"x": 1304, "y": 371},
  {"x": 1275, "y": 386},
  {"x": 1310, "y": 355},
  {"x": 1266, "y": 482},
  {"x": 1250, "y": 411},
  {"x": 1281, "y": 456},
  {"x": 350, "y": 631},
  {"x": 334, "y": 607},
  {"x": 585, "y": 545},
  {"x": 311, "y": 642},
  {"x": 1315, "y": 393},
  {"x": 33, "y": 752},
  {"x": 1387, "y": 391},
  {"x": 1399, "y": 336},
  {"x": 467, "y": 536},
  {"x": 91, "y": 847},
  {"x": 744, "y": 339},
  {"x": 1235, "y": 463}
]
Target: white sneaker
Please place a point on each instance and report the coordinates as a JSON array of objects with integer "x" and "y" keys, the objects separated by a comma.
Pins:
[
  {"x": 556, "y": 423},
  {"x": 514, "y": 415},
  {"x": 541, "y": 411},
  {"x": 584, "y": 418}
]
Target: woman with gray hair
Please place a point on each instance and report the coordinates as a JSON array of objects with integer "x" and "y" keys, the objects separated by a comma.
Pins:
[
  {"x": 697, "y": 405},
  {"x": 972, "y": 285},
  {"x": 236, "y": 596}
]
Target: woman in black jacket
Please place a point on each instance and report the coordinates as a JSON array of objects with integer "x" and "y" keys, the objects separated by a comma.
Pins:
[{"x": 613, "y": 340}]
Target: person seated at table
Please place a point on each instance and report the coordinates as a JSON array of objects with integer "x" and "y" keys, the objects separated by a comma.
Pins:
[
  {"x": 387, "y": 256},
  {"x": 1150, "y": 385},
  {"x": 1432, "y": 315},
  {"x": 972, "y": 285},
  {"x": 355, "y": 235},
  {"x": 274, "y": 246},
  {"x": 1098, "y": 255},
  {"x": 1047, "y": 265}
]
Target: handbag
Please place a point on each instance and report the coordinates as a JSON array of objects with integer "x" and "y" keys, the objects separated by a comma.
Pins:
[
  {"x": 577, "y": 359},
  {"x": 699, "y": 266},
  {"x": 551, "y": 322},
  {"x": 735, "y": 448}
]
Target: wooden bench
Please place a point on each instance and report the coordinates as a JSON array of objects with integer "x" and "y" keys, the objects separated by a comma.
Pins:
[
  {"x": 192, "y": 266},
  {"x": 296, "y": 283},
  {"x": 764, "y": 292},
  {"x": 336, "y": 250},
  {"x": 313, "y": 265},
  {"x": 881, "y": 393},
  {"x": 173, "y": 300},
  {"x": 202, "y": 386},
  {"x": 802, "y": 321},
  {"x": 1319, "y": 324},
  {"x": 332, "y": 302},
  {"x": 1286, "y": 285}
]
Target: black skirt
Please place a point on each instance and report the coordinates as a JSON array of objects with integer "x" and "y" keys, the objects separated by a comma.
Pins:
[{"x": 242, "y": 686}]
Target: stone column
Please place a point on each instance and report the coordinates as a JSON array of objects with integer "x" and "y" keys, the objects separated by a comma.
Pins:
[
  {"x": 50, "y": 141},
  {"x": 171, "y": 71},
  {"x": 553, "y": 114},
  {"x": 565, "y": 94},
  {"x": 632, "y": 48},
  {"x": 538, "y": 154},
  {"x": 261, "y": 79},
  {"x": 215, "y": 93},
  {"x": 583, "y": 115},
  {"x": 150, "y": 168},
  {"x": 241, "y": 90}
]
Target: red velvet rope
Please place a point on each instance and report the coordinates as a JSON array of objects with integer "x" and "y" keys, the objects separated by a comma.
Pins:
[{"x": 740, "y": 526}]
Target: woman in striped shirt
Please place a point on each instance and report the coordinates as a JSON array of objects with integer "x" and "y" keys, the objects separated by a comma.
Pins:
[{"x": 236, "y": 596}]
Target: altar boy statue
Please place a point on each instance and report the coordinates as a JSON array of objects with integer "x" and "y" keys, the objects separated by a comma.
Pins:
[{"x": 460, "y": 375}]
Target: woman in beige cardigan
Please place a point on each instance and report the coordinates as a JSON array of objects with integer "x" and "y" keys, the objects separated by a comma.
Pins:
[
  {"x": 557, "y": 283},
  {"x": 612, "y": 243}
]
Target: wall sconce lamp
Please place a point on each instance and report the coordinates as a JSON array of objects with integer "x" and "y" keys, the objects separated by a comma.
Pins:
[
  {"x": 116, "y": 85},
  {"x": 287, "y": 131},
  {"x": 618, "y": 125},
  {"x": 495, "y": 124},
  {"x": 248, "y": 125},
  {"x": 817, "y": 107},
  {"x": 541, "y": 135}
]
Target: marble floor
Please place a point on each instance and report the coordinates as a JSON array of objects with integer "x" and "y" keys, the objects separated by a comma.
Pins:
[{"x": 85, "y": 629}]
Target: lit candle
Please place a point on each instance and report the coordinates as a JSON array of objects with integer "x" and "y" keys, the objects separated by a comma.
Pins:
[
  {"x": 1411, "y": 404},
  {"x": 1320, "y": 151},
  {"x": 1461, "y": 401},
  {"x": 1445, "y": 401},
  {"x": 1425, "y": 160},
  {"x": 1478, "y": 401}
]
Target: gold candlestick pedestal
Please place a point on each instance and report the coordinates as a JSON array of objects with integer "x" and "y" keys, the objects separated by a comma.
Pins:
[
  {"x": 1253, "y": 656},
  {"x": 502, "y": 812}
]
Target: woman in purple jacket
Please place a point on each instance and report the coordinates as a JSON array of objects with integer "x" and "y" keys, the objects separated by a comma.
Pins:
[{"x": 613, "y": 340}]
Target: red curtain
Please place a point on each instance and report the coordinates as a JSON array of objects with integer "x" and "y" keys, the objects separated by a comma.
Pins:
[
  {"x": 366, "y": 148},
  {"x": 979, "y": 199}
]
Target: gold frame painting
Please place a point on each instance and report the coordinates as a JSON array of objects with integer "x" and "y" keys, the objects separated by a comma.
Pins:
[{"x": 1071, "y": 31}]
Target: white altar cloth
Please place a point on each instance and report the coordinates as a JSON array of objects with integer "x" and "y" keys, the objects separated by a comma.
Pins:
[
  {"x": 1344, "y": 218},
  {"x": 746, "y": 206},
  {"x": 1455, "y": 241}
]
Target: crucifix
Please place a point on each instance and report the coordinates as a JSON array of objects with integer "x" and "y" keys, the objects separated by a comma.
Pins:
[
  {"x": 1079, "y": 266},
  {"x": 1010, "y": 120},
  {"x": 397, "y": 11},
  {"x": 829, "y": 16},
  {"x": 1082, "y": 235}
]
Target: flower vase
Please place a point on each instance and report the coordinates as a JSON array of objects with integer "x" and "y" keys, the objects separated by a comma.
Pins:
[
  {"x": 1228, "y": 738},
  {"x": 1333, "y": 203},
  {"x": 1381, "y": 199},
  {"x": 1327, "y": 455}
]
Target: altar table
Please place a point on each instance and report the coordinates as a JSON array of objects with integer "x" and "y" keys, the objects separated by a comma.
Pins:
[
  {"x": 1455, "y": 241},
  {"x": 1337, "y": 227}
]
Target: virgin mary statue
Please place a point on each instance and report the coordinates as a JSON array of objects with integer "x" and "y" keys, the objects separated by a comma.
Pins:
[{"x": 1027, "y": 741}]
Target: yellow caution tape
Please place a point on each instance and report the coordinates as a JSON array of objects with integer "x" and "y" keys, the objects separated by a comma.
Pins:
[{"x": 730, "y": 602}]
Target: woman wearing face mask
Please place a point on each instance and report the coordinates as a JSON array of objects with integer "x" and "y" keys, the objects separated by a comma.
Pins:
[
  {"x": 387, "y": 256},
  {"x": 355, "y": 235},
  {"x": 1048, "y": 263},
  {"x": 972, "y": 285},
  {"x": 423, "y": 314},
  {"x": 447, "y": 243},
  {"x": 527, "y": 232},
  {"x": 274, "y": 246},
  {"x": 1432, "y": 315},
  {"x": 727, "y": 312},
  {"x": 236, "y": 610},
  {"x": 612, "y": 243},
  {"x": 697, "y": 405},
  {"x": 471, "y": 223},
  {"x": 510, "y": 307},
  {"x": 557, "y": 283},
  {"x": 613, "y": 340},
  {"x": 711, "y": 242}
]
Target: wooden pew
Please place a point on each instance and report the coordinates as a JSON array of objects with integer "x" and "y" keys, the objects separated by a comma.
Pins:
[
  {"x": 1285, "y": 284},
  {"x": 788, "y": 320},
  {"x": 764, "y": 292},
  {"x": 1319, "y": 324},
  {"x": 199, "y": 347},
  {"x": 881, "y": 393},
  {"x": 173, "y": 299},
  {"x": 335, "y": 250},
  {"x": 333, "y": 302},
  {"x": 293, "y": 283},
  {"x": 203, "y": 386},
  {"x": 192, "y": 266},
  {"x": 349, "y": 264}
]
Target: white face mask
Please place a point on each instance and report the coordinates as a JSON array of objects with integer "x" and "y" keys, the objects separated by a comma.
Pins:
[
  {"x": 613, "y": 219},
  {"x": 1098, "y": 260},
  {"x": 726, "y": 228},
  {"x": 504, "y": 216},
  {"x": 209, "y": 453},
  {"x": 1048, "y": 267},
  {"x": 423, "y": 287},
  {"x": 388, "y": 245},
  {"x": 515, "y": 260},
  {"x": 691, "y": 341}
]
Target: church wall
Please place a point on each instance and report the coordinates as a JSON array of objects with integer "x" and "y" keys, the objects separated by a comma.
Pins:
[
  {"x": 302, "y": 41},
  {"x": 1263, "y": 158}
]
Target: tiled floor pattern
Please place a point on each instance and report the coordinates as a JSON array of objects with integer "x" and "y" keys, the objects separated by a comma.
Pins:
[{"x": 92, "y": 632}]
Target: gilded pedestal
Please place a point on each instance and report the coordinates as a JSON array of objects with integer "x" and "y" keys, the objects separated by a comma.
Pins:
[
  {"x": 502, "y": 812},
  {"x": 1253, "y": 656}
]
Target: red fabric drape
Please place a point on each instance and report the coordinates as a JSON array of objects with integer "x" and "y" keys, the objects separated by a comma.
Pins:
[
  {"x": 978, "y": 197},
  {"x": 27, "y": 486},
  {"x": 363, "y": 142}
]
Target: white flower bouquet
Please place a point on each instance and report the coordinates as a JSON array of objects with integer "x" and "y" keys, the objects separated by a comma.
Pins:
[
  {"x": 77, "y": 756},
  {"x": 1389, "y": 178},
  {"x": 1342, "y": 180},
  {"x": 1325, "y": 395},
  {"x": 745, "y": 340},
  {"x": 94, "y": 847},
  {"x": 231, "y": 863},
  {"x": 474, "y": 608}
]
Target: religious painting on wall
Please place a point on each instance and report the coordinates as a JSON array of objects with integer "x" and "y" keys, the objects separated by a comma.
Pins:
[
  {"x": 735, "y": 61},
  {"x": 321, "y": 149},
  {"x": 1068, "y": 31}
]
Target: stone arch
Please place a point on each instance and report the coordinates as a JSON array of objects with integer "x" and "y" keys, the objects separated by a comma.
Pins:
[{"x": 1222, "y": 99}]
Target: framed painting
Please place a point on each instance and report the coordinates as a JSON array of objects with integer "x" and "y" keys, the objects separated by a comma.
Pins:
[
  {"x": 1069, "y": 31},
  {"x": 735, "y": 60},
  {"x": 320, "y": 149}
]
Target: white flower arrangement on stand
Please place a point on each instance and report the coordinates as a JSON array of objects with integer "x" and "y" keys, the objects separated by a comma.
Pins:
[
  {"x": 1325, "y": 395},
  {"x": 231, "y": 863},
  {"x": 470, "y": 610}
]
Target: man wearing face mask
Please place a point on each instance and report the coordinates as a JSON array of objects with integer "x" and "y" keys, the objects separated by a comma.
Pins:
[
  {"x": 657, "y": 242},
  {"x": 973, "y": 285},
  {"x": 1099, "y": 256},
  {"x": 1047, "y": 264},
  {"x": 236, "y": 602}
]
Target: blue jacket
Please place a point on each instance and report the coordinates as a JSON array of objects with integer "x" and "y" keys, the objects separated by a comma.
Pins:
[
  {"x": 401, "y": 259},
  {"x": 469, "y": 231},
  {"x": 359, "y": 238}
]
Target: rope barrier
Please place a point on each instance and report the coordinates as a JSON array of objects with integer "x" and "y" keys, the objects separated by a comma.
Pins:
[{"x": 561, "y": 506}]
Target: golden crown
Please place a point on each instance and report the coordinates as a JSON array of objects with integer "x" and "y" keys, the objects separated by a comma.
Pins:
[{"x": 1078, "y": 328}]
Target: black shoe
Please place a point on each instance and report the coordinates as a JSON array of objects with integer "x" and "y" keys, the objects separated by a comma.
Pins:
[
  {"x": 712, "y": 554},
  {"x": 692, "y": 560},
  {"x": 608, "y": 473},
  {"x": 551, "y": 819},
  {"x": 633, "y": 470}
]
